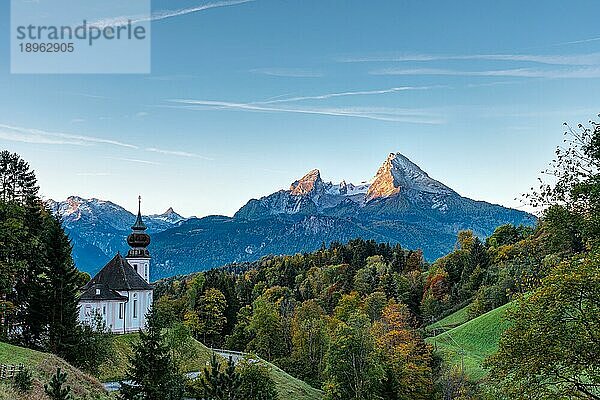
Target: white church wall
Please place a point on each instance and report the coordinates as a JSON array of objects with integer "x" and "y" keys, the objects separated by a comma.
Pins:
[
  {"x": 131, "y": 315},
  {"x": 107, "y": 309}
]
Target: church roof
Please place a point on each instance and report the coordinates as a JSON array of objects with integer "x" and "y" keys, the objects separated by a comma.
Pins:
[
  {"x": 99, "y": 291},
  {"x": 119, "y": 275}
]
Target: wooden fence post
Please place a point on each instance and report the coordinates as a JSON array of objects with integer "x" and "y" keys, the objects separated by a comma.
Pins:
[{"x": 10, "y": 371}]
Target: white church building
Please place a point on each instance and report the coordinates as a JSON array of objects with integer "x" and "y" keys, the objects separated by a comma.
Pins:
[{"x": 121, "y": 292}]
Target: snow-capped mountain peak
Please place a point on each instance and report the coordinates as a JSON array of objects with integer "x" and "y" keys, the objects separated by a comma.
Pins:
[
  {"x": 407, "y": 207},
  {"x": 398, "y": 173},
  {"x": 309, "y": 183},
  {"x": 98, "y": 212},
  {"x": 169, "y": 216}
]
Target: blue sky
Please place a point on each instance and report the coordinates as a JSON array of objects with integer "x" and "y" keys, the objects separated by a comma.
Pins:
[{"x": 245, "y": 97}]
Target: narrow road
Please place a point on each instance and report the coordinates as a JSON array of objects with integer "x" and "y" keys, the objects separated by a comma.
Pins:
[{"x": 236, "y": 356}]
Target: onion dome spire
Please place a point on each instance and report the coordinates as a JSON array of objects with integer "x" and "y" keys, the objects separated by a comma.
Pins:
[{"x": 138, "y": 239}]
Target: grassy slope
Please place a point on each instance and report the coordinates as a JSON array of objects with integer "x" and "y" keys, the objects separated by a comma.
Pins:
[
  {"x": 43, "y": 366},
  {"x": 115, "y": 368},
  {"x": 289, "y": 388},
  {"x": 451, "y": 321},
  {"x": 477, "y": 338}
]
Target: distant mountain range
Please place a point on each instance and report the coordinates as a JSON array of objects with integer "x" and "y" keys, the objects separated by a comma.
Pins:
[
  {"x": 401, "y": 204},
  {"x": 99, "y": 228}
]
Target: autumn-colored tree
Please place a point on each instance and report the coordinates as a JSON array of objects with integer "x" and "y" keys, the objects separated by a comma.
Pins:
[
  {"x": 437, "y": 293},
  {"x": 414, "y": 261},
  {"x": 407, "y": 358},
  {"x": 466, "y": 240}
]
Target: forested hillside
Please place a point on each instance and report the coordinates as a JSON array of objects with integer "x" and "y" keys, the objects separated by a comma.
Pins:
[{"x": 351, "y": 318}]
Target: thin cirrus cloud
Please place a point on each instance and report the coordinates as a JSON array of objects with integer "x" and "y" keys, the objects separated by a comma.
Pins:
[
  {"x": 594, "y": 39},
  {"x": 561, "y": 59},
  {"x": 38, "y": 136},
  {"x": 390, "y": 114},
  {"x": 289, "y": 72},
  {"x": 344, "y": 94},
  {"x": 93, "y": 174},
  {"x": 178, "y": 153},
  {"x": 564, "y": 73},
  {"x": 165, "y": 14},
  {"x": 135, "y": 160}
]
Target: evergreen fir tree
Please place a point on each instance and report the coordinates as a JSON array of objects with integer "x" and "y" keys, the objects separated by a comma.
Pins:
[
  {"x": 152, "y": 374},
  {"x": 21, "y": 247},
  {"x": 61, "y": 292},
  {"x": 55, "y": 389},
  {"x": 31, "y": 295},
  {"x": 221, "y": 385},
  {"x": 17, "y": 182}
]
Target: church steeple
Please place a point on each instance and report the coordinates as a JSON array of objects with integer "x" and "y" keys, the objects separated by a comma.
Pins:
[
  {"x": 139, "y": 223},
  {"x": 139, "y": 256}
]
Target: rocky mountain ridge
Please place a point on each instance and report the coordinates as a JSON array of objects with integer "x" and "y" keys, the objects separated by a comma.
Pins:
[{"x": 401, "y": 204}]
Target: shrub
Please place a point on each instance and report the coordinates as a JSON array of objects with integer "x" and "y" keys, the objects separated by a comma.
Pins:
[
  {"x": 24, "y": 380},
  {"x": 257, "y": 384}
]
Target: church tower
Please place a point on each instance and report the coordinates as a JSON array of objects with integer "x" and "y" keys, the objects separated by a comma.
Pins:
[{"x": 138, "y": 256}]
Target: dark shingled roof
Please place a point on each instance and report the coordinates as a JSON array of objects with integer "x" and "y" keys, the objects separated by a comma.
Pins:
[
  {"x": 119, "y": 275},
  {"x": 100, "y": 291}
]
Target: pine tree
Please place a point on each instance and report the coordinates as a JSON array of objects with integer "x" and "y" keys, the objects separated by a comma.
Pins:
[
  {"x": 152, "y": 374},
  {"x": 31, "y": 288},
  {"x": 17, "y": 181},
  {"x": 61, "y": 292},
  {"x": 21, "y": 247},
  {"x": 55, "y": 389},
  {"x": 221, "y": 385}
]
